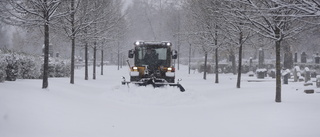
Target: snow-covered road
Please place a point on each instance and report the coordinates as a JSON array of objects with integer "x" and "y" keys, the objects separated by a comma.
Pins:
[{"x": 105, "y": 108}]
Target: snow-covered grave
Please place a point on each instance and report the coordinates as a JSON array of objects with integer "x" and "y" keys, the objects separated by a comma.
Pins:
[{"x": 105, "y": 108}]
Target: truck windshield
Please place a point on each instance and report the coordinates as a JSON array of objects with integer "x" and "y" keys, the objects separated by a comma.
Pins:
[{"x": 152, "y": 56}]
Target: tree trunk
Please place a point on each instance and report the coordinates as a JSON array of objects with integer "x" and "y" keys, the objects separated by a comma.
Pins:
[
  {"x": 86, "y": 74},
  {"x": 118, "y": 57},
  {"x": 288, "y": 57},
  {"x": 72, "y": 43},
  {"x": 189, "y": 62},
  {"x": 205, "y": 66},
  {"x": 101, "y": 62},
  {"x": 217, "y": 66},
  {"x": 217, "y": 59},
  {"x": 121, "y": 61},
  {"x": 278, "y": 71},
  {"x": 240, "y": 61},
  {"x": 46, "y": 54},
  {"x": 233, "y": 62},
  {"x": 178, "y": 59},
  {"x": 72, "y": 60},
  {"x": 94, "y": 60},
  {"x": 239, "y": 67}
]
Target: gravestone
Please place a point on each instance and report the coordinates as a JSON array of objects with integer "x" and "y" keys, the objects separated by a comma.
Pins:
[
  {"x": 309, "y": 91},
  {"x": 313, "y": 74},
  {"x": 296, "y": 73},
  {"x": 317, "y": 59},
  {"x": 308, "y": 84},
  {"x": 272, "y": 73},
  {"x": 307, "y": 74},
  {"x": 303, "y": 57},
  {"x": 261, "y": 73},
  {"x": 261, "y": 58},
  {"x": 250, "y": 64},
  {"x": 286, "y": 75},
  {"x": 318, "y": 82},
  {"x": 251, "y": 74},
  {"x": 288, "y": 60}
]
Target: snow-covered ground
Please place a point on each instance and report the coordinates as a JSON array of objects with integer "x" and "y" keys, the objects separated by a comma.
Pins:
[{"x": 105, "y": 108}]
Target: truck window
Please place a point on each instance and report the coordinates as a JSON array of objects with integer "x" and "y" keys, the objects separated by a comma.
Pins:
[{"x": 162, "y": 55}]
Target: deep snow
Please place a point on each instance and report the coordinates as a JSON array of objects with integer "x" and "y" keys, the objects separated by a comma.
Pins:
[{"x": 105, "y": 108}]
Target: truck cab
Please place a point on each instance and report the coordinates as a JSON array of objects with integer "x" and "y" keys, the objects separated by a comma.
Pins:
[{"x": 152, "y": 60}]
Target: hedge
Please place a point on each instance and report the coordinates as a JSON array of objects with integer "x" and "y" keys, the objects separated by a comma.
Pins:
[{"x": 22, "y": 66}]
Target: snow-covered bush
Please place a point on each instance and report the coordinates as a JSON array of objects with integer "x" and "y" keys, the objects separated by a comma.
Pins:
[
  {"x": 29, "y": 67},
  {"x": 58, "y": 68},
  {"x": 51, "y": 69},
  {"x": 3, "y": 66},
  {"x": 12, "y": 67},
  {"x": 62, "y": 69},
  {"x": 18, "y": 65}
]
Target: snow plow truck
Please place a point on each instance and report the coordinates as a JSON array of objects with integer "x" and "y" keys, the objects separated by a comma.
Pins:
[{"x": 152, "y": 65}]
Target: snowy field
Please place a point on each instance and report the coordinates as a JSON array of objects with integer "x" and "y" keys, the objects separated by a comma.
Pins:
[{"x": 105, "y": 108}]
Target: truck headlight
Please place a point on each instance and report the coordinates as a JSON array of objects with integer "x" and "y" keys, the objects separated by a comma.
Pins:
[
  {"x": 137, "y": 43},
  {"x": 171, "y": 69},
  {"x": 135, "y": 68}
]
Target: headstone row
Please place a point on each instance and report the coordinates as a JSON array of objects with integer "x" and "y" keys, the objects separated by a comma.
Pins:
[{"x": 303, "y": 58}]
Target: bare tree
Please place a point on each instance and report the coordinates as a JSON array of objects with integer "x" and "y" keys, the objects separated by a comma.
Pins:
[
  {"x": 88, "y": 22},
  {"x": 206, "y": 26},
  {"x": 29, "y": 13},
  {"x": 273, "y": 21},
  {"x": 236, "y": 30},
  {"x": 76, "y": 24},
  {"x": 308, "y": 8},
  {"x": 109, "y": 25}
]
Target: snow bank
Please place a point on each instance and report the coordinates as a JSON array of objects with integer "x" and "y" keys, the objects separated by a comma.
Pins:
[{"x": 261, "y": 70}]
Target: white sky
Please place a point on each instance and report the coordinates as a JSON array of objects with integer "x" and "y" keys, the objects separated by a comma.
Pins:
[{"x": 127, "y": 3}]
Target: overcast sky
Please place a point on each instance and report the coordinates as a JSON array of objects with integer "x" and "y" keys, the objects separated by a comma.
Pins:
[{"x": 126, "y": 3}]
